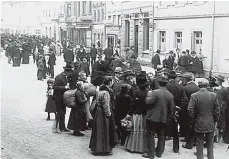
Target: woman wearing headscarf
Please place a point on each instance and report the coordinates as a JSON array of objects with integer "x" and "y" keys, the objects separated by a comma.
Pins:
[
  {"x": 77, "y": 119},
  {"x": 103, "y": 136}
]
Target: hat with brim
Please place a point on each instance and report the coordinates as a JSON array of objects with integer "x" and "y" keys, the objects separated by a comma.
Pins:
[
  {"x": 188, "y": 75},
  {"x": 128, "y": 73},
  {"x": 172, "y": 74},
  {"x": 203, "y": 82},
  {"x": 118, "y": 70},
  {"x": 141, "y": 80},
  {"x": 220, "y": 78},
  {"x": 162, "y": 79},
  {"x": 68, "y": 68}
]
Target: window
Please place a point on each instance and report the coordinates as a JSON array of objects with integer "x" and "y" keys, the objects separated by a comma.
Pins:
[
  {"x": 94, "y": 15},
  {"x": 90, "y": 7},
  {"x": 109, "y": 17},
  {"x": 114, "y": 19},
  {"x": 127, "y": 33},
  {"x": 79, "y": 9},
  {"x": 68, "y": 9},
  {"x": 197, "y": 41},
  {"x": 146, "y": 34},
  {"x": 178, "y": 40},
  {"x": 102, "y": 17},
  {"x": 98, "y": 16},
  {"x": 162, "y": 41},
  {"x": 119, "y": 20},
  {"x": 84, "y": 7},
  {"x": 75, "y": 8}
]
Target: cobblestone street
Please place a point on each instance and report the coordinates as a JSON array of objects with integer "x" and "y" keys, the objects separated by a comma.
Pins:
[{"x": 25, "y": 134}]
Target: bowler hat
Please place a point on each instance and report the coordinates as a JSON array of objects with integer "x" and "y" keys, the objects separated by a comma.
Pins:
[
  {"x": 118, "y": 70},
  {"x": 128, "y": 73},
  {"x": 172, "y": 74},
  {"x": 188, "y": 75},
  {"x": 68, "y": 68},
  {"x": 141, "y": 80},
  {"x": 220, "y": 78}
]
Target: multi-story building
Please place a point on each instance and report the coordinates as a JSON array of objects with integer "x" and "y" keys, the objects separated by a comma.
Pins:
[
  {"x": 200, "y": 26},
  {"x": 99, "y": 29},
  {"x": 76, "y": 22},
  {"x": 21, "y": 17},
  {"x": 50, "y": 19}
]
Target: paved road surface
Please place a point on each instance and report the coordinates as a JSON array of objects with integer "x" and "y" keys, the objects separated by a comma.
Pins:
[{"x": 25, "y": 134}]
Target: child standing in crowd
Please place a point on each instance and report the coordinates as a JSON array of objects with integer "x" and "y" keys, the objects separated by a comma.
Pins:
[{"x": 50, "y": 105}]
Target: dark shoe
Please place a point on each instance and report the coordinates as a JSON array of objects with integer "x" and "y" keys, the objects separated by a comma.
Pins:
[
  {"x": 186, "y": 146},
  {"x": 158, "y": 155},
  {"x": 65, "y": 130},
  {"x": 77, "y": 133},
  {"x": 48, "y": 119},
  {"x": 176, "y": 150},
  {"x": 168, "y": 138},
  {"x": 182, "y": 140},
  {"x": 88, "y": 128},
  {"x": 146, "y": 156}
]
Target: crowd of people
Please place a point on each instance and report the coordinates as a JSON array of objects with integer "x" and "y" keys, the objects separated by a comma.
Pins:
[{"x": 132, "y": 107}]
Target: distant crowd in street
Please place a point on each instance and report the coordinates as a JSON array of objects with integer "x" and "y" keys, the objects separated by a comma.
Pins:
[{"x": 123, "y": 104}]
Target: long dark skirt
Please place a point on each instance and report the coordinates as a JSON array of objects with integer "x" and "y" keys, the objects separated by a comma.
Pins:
[
  {"x": 25, "y": 57},
  {"x": 40, "y": 74},
  {"x": 77, "y": 120},
  {"x": 16, "y": 61},
  {"x": 226, "y": 131},
  {"x": 50, "y": 105},
  {"x": 103, "y": 136}
]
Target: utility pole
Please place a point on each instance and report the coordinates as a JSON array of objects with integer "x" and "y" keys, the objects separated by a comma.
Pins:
[
  {"x": 213, "y": 37},
  {"x": 153, "y": 30},
  {"x": 105, "y": 26}
]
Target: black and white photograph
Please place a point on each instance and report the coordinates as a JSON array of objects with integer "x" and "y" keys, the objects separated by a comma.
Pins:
[{"x": 114, "y": 79}]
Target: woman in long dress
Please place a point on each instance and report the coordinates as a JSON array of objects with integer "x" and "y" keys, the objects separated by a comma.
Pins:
[
  {"x": 136, "y": 141},
  {"x": 77, "y": 119},
  {"x": 103, "y": 136}
]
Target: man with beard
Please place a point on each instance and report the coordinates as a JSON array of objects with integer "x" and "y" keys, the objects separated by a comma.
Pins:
[
  {"x": 190, "y": 87},
  {"x": 61, "y": 85}
]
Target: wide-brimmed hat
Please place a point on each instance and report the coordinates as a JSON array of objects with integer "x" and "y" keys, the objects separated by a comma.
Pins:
[
  {"x": 128, "y": 73},
  {"x": 141, "y": 80},
  {"x": 220, "y": 78},
  {"x": 118, "y": 70},
  {"x": 68, "y": 68},
  {"x": 172, "y": 74},
  {"x": 188, "y": 75}
]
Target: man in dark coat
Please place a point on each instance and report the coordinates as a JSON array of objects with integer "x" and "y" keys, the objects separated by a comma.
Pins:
[
  {"x": 51, "y": 62},
  {"x": 93, "y": 54},
  {"x": 180, "y": 99},
  {"x": 25, "y": 53},
  {"x": 184, "y": 61},
  {"x": 161, "y": 110},
  {"x": 108, "y": 54},
  {"x": 189, "y": 87},
  {"x": 74, "y": 75},
  {"x": 69, "y": 56},
  {"x": 205, "y": 110},
  {"x": 81, "y": 53},
  {"x": 156, "y": 60},
  {"x": 61, "y": 85}
]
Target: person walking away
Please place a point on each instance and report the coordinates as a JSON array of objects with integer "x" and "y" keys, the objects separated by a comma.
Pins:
[
  {"x": 51, "y": 62},
  {"x": 180, "y": 100},
  {"x": 108, "y": 54},
  {"x": 190, "y": 87},
  {"x": 122, "y": 106},
  {"x": 69, "y": 56},
  {"x": 103, "y": 135},
  {"x": 93, "y": 54},
  {"x": 9, "y": 52},
  {"x": 50, "y": 104},
  {"x": 156, "y": 60},
  {"x": 194, "y": 62},
  {"x": 136, "y": 140},
  {"x": 77, "y": 118},
  {"x": 16, "y": 55},
  {"x": 25, "y": 53},
  {"x": 40, "y": 68},
  {"x": 84, "y": 66},
  {"x": 61, "y": 85},
  {"x": 204, "y": 108},
  {"x": 81, "y": 53},
  {"x": 160, "y": 111},
  {"x": 58, "y": 48}
]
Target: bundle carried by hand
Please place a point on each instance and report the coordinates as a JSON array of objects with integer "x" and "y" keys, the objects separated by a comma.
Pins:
[
  {"x": 90, "y": 89},
  {"x": 70, "y": 98}
]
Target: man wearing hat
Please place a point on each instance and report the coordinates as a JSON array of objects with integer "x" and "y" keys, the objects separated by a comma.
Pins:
[
  {"x": 61, "y": 85},
  {"x": 51, "y": 62},
  {"x": 117, "y": 80},
  {"x": 190, "y": 87},
  {"x": 69, "y": 55},
  {"x": 180, "y": 100},
  {"x": 161, "y": 110},
  {"x": 75, "y": 75},
  {"x": 204, "y": 109},
  {"x": 156, "y": 60},
  {"x": 219, "y": 81}
]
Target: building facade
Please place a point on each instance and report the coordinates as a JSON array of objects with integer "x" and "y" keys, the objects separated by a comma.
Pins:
[{"x": 199, "y": 26}]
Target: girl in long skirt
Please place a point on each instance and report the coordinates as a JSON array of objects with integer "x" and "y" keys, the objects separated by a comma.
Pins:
[
  {"x": 50, "y": 105},
  {"x": 103, "y": 136}
]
